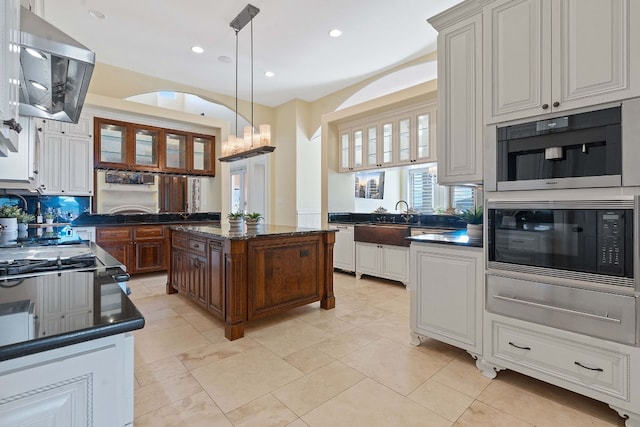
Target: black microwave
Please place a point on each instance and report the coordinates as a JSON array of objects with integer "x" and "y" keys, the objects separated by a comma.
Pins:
[
  {"x": 587, "y": 240},
  {"x": 575, "y": 151}
]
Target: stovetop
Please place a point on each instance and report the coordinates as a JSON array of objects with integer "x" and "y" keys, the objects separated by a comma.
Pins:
[{"x": 37, "y": 265}]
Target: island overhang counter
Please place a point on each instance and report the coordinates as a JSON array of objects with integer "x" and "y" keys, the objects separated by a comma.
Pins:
[{"x": 240, "y": 276}]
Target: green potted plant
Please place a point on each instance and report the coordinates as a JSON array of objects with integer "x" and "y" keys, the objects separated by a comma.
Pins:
[
  {"x": 9, "y": 217},
  {"x": 252, "y": 219},
  {"x": 235, "y": 219},
  {"x": 24, "y": 219},
  {"x": 474, "y": 219},
  {"x": 49, "y": 217}
]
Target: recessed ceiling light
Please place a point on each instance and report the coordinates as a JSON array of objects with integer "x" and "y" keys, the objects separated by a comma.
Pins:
[
  {"x": 37, "y": 85},
  {"x": 97, "y": 14},
  {"x": 335, "y": 33},
  {"x": 224, "y": 59},
  {"x": 35, "y": 53},
  {"x": 269, "y": 73},
  {"x": 197, "y": 49}
]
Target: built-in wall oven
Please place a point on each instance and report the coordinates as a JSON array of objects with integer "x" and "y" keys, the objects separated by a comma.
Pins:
[{"x": 572, "y": 265}]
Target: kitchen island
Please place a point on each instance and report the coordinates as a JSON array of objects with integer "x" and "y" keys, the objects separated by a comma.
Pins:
[{"x": 240, "y": 276}]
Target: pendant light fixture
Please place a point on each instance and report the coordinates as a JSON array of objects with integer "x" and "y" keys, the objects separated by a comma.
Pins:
[{"x": 251, "y": 144}]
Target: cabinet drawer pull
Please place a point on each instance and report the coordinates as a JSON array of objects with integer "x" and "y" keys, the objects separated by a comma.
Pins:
[
  {"x": 196, "y": 246},
  {"x": 545, "y": 106},
  {"x": 520, "y": 347},
  {"x": 556, "y": 104},
  {"x": 561, "y": 309},
  {"x": 586, "y": 367}
]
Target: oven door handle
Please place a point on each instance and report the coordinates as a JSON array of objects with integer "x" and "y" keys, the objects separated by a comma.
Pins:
[{"x": 561, "y": 309}]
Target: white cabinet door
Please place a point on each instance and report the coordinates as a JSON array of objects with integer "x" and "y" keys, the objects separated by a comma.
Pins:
[
  {"x": 66, "y": 165},
  {"x": 20, "y": 166},
  {"x": 64, "y": 304},
  {"x": 539, "y": 55},
  {"x": 460, "y": 122},
  {"x": 395, "y": 263},
  {"x": 9, "y": 72},
  {"x": 447, "y": 295},
  {"x": 88, "y": 233},
  {"x": 367, "y": 259},
  {"x": 344, "y": 248}
]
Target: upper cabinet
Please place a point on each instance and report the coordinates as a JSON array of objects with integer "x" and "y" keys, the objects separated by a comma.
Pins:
[
  {"x": 460, "y": 124},
  {"x": 9, "y": 74},
  {"x": 130, "y": 146},
  {"x": 395, "y": 138},
  {"x": 545, "y": 56}
]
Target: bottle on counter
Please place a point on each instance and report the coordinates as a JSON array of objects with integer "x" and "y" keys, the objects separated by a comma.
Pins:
[{"x": 38, "y": 214}]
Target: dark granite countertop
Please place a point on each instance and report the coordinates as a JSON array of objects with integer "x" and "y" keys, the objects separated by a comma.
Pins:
[
  {"x": 225, "y": 232},
  {"x": 458, "y": 238},
  {"x": 88, "y": 220},
  {"x": 106, "y": 309}
]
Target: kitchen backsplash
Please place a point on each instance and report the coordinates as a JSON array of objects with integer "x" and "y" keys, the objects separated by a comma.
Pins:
[{"x": 65, "y": 208}]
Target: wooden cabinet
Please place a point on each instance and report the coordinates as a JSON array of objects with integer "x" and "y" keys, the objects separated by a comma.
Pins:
[
  {"x": 9, "y": 73},
  {"x": 538, "y": 60},
  {"x": 130, "y": 146},
  {"x": 447, "y": 295},
  {"x": 344, "y": 248},
  {"x": 386, "y": 261},
  {"x": 141, "y": 248},
  {"x": 65, "y": 153},
  {"x": 190, "y": 268},
  {"x": 460, "y": 121},
  {"x": 216, "y": 295}
]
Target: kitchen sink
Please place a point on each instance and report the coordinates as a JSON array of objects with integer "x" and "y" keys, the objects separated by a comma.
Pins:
[{"x": 395, "y": 235}]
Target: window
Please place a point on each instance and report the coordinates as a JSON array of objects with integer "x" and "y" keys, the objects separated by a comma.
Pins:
[{"x": 426, "y": 196}]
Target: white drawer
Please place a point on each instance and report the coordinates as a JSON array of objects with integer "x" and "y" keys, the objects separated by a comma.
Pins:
[{"x": 600, "y": 369}]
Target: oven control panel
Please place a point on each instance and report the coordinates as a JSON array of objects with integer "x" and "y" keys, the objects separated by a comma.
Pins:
[{"x": 611, "y": 232}]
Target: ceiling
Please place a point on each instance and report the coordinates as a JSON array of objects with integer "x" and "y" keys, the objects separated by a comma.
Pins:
[{"x": 290, "y": 39}]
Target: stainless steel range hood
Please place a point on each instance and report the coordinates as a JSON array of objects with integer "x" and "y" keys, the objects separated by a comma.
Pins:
[{"x": 54, "y": 70}]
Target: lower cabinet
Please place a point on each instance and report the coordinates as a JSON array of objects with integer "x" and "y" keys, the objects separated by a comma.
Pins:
[
  {"x": 141, "y": 248},
  {"x": 344, "y": 249},
  {"x": 58, "y": 313},
  {"x": 446, "y": 295},
  {"x": 86, "y": 233},
  {"x": 216, "y": 303},
  {"x": 386, "y": 261},
  {"x": 86, "y": 384}
]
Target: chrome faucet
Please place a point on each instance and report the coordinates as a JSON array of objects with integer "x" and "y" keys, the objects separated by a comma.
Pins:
[{"x": 405, "y": 203}]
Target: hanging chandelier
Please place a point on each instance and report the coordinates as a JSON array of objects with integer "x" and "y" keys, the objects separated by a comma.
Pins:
[{"x": 250, "y": 144}]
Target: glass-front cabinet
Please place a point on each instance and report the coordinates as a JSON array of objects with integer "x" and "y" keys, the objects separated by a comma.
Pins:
[
  {"x": 351, "y": 150},
  {"x": 130, "y": 146}
]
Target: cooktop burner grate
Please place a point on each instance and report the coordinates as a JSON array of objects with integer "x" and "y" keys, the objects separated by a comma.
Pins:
[{"x": 25, "y": 266}]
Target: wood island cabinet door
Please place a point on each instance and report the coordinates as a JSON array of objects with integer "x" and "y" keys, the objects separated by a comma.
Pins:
[{"x": 216, "y": 280}]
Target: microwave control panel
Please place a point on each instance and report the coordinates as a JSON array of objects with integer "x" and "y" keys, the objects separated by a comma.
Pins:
[{"x": 611, "y": 234}]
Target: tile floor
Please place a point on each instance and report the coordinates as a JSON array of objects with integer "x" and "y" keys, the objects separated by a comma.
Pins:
[{"x": 351, "y": 366}]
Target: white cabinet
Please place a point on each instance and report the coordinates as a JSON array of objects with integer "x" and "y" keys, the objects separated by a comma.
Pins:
[
  {"x": 379, "y": 146},
  {"x": 86, "y": 233},
  {"x": 460, "y": 121},
  {"x": 351, "y": 150},
  {"x": 65, "y": 304},
  {"x": 386, "y": 261},
  {"x": 9, "y": 73},
  {"x": 447, "y": 295},
  {"x": 344, "y": 249},
  {"x": 416, "y": 137},
  {"x": 19, "y": 167},
  {"x": 590, "y": 366},
  {"x": 66, "y": 158},
  {"x": 540, "y": 55},
  {"x": 86, "y": 384}
]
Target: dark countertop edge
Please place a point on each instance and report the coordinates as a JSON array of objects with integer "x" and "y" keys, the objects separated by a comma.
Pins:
[
  {"x": 245, "y": 236},
  {"x": 470, "y": 244},
  {"x": 13, "y": 351},
  {"x": 125, "y": 224}
]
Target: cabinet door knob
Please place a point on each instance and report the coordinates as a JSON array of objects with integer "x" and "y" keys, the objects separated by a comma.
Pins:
[
  {"x": 13, "y": 125},
  {"x": 556, "y": 104},
  {"x": 545, "y": 106}
]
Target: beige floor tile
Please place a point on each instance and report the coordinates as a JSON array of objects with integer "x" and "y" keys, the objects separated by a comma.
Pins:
[
  {"x": 483, "y": 415},
  {"x": 309, "y": 359},
  {"x": 342, "y": 344},
  {"x": 310, "y": 391},
  {"x": 202, "y": 356},
  {"x": 398, "y": 304},
  {"x": 441, "y": 399},
  {"x": 400, "y": 367},
  {"x": 237, "y": 380},
  {"x": 393, "y": 326},
  {"x": 160, "y": 370},
  {"x": 462, "y": 375},
  {"x": 364, "y": 316},
  {"x": 289, "y": 336},
  {"x": 158, "y": 345},
  {"x": 203, "y": 321},
  {"x": 539, "y": 410},
  {"x": 159, "y": 394},
  {"x": 335, "y": 326},
  {"x": 266, "y": 411},
  {"x": 369, "y": 404},
  {"x": 160, "y": 324},
  {"x": 298, "y": 423},
  {"x": 193, "y": 411}
]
